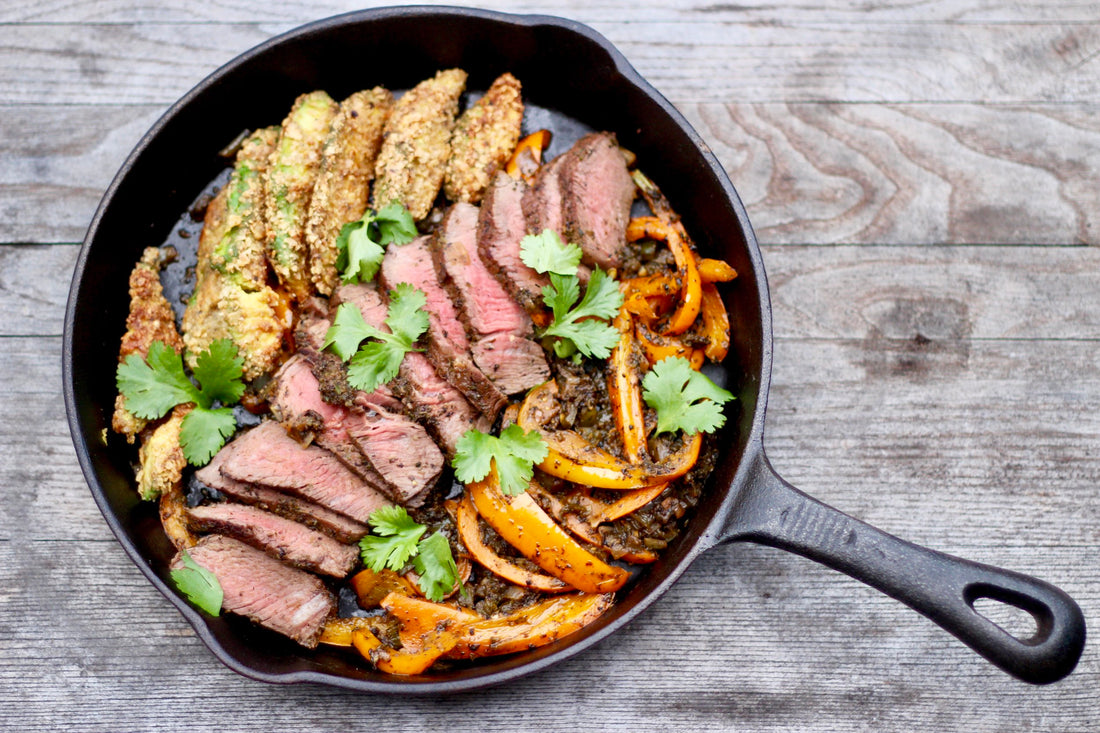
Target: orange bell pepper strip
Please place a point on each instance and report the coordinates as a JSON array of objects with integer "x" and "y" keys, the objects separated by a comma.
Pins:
[
  {"x": 465, "y": 516},
  {"x": 629, "y": 502},
  {"x": 527, "y": 156},
  {"x": 716, "y": 271},
  {"x": 657, "y": 347},
  {"x": 372, "y": 587},
  {"x": 400, "y": 661},
  {"x": 571, "y": 457},
  {"x": 716, "y": 324},
  {"x": 531, "y": 627},
  {"x": 338, "y": 631},
  {"x": 691, "y": 296},
  {"x": 525, "y": 526},
  {"x": 586, "y": 529},
  {"x": 624, "y": 387}
]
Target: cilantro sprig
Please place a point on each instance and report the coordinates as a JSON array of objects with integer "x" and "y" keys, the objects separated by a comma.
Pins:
[
  {"x": 578, "y": 328},
  {"x": 514, "y": 454},
  {"x": 199, "y": 585},
  {"x": 377, "y": 362},
  {"x": 154, "y": 385},
  {"x": 684, "y": 398},
  {"x": 361, "y": 243},
  {"x": 397, "y": 540}
]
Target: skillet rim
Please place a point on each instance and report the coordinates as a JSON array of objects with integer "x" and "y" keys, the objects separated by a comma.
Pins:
[{"x": 709, "y": 536}]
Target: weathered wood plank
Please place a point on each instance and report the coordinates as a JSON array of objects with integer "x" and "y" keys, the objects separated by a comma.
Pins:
[
  {"x": 34, "y": 286},
  {"x": 155, "y": 63},
  {"x": 808, "y": 173},
  {"x": 740, "y": 643},
  {"x": 680, "y": 11}
]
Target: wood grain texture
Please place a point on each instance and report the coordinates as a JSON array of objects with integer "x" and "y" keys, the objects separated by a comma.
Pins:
[
  {"x": 935, "y": 368},
  {"x": 715, "y": 61}
]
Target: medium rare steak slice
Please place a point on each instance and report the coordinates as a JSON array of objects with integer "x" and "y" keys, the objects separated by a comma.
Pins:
[
  {"x": 268, "y": 457},
  {"x": 542, "y": 201},
  {"x": 259, "y": 587},
  {"x": 428, "y": 397},
  {"x": 387, "y": 449},
  {"x": 289, "y": 506},
  {"x": 293, "y": 543},
  {"x": 515, "y": 364},
  {"x": 496, "y": 324},
  {"x": 448, "y": 347},
  {"x": 500, "y": 228},
  {"x": 596, "y": 194}
]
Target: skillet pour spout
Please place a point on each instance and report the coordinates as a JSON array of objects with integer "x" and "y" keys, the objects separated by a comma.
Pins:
[
  {"x": 944, "y": 588},
  {"x": 578, "y": 81}
]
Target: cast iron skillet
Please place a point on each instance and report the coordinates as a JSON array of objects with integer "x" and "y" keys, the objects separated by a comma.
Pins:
[{"x": 568, "y": 68}]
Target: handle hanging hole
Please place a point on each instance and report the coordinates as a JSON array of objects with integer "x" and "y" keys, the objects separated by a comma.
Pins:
[
  {"x": 1014, "y": 620},
  {"x": 1017, "y": 614}
]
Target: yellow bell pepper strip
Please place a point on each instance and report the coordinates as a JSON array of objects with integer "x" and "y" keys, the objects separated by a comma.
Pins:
[
  {"x": 716, "y": 271},
  {"x": 624, "y": 387},
  {"x": 571, "y": 457},
  {"x": 629, "y": 502},
  {"x": 525, "y": 526},
  {"x": 530, "y": 627},
  {"x": 716, "y": 324},
  {"x": 527, "y": 157},
  {"x": 586, "y": 529},
  {"x": 465, "y": 516},
  {"x": 338, "y": 631},
  {"x": 372, "y": 587}
]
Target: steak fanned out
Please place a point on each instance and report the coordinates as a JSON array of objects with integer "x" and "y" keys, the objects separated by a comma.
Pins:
[
  {"x": 596, "y": 195},
  {"x": 500, "y": 228},
  {"x": 268, "y": 457},
  {"x": 259, "y": 587},
  {"x": 496, "y": 324},
  {"x": 292, "y": 507},
  {"x": 293, "y": 543},
  {"x": 542, "y": 201},
  {"x": 428, "y": 397},
  {"x": 387, "y": 449},
  {"x": 448, "y": 347}
]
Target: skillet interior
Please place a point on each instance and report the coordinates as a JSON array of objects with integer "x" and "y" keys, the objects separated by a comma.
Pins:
[{"x": 564, "y": 67}]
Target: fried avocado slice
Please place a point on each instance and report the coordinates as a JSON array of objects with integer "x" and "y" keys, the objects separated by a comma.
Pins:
[
  {"x": 239, "y": 253},
  {"x": 291, "y": 174},
  {"x": 484, "y": 136},
  {"x": 343, "y": 183},
  {"x": 417, "y": 143}
]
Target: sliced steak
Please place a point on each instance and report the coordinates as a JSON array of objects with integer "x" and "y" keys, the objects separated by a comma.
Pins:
[
  {"x": 542, "y": 201},
  {"x": 596, "y": 194},
  {"x": 387, "y": 449},
  {"x": 448, "y": 347},
  {"x": 428, "y": 397},
  {"x": 268, "y": 457},
  {"x": 500, "y": 228},
  {"x": 283, "y": 539},
  {"x": 435, "y": 402},
  {"x": 259, "y": 587},
  {"x": 496, "y": 324}
]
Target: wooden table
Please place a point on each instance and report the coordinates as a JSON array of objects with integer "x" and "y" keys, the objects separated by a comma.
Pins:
[{"x": 925, "y": 179}]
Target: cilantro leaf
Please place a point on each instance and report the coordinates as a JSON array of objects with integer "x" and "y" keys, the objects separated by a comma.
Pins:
[
  {"x": 361, "y": 242},
  {"x": 219, "y": 370},
  {"x": 395, "y": 539},
  {"x": 153, "y": 386},
  {"x": 199, "y": 585},
  {"x": 684, "y": 398},
  {"x": 362, "y": 255},
  {"x": 546, "y": 252},
  {"x": 204, "y": 431},
  {"x": 347, "y": 331},
  {"x": 602, "y": 299},
  {"x": 395, "y": 225},
  {"x": 377, "y": 362},
  {"x": 514, "y": 454},
  {"x": 436, "y": 567}
]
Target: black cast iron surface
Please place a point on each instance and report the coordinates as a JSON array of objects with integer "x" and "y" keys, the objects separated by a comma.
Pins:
[{"x": 568, "y": 68}]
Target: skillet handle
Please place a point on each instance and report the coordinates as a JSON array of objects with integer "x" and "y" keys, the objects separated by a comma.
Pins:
[{"x": 942, "y": 587}]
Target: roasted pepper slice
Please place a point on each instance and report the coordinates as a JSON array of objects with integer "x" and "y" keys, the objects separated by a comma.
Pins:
[
  {"x": 525, "y": 526},
  {"x": 716, "y": 324},
  {"x": 527, "y": 157}
]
